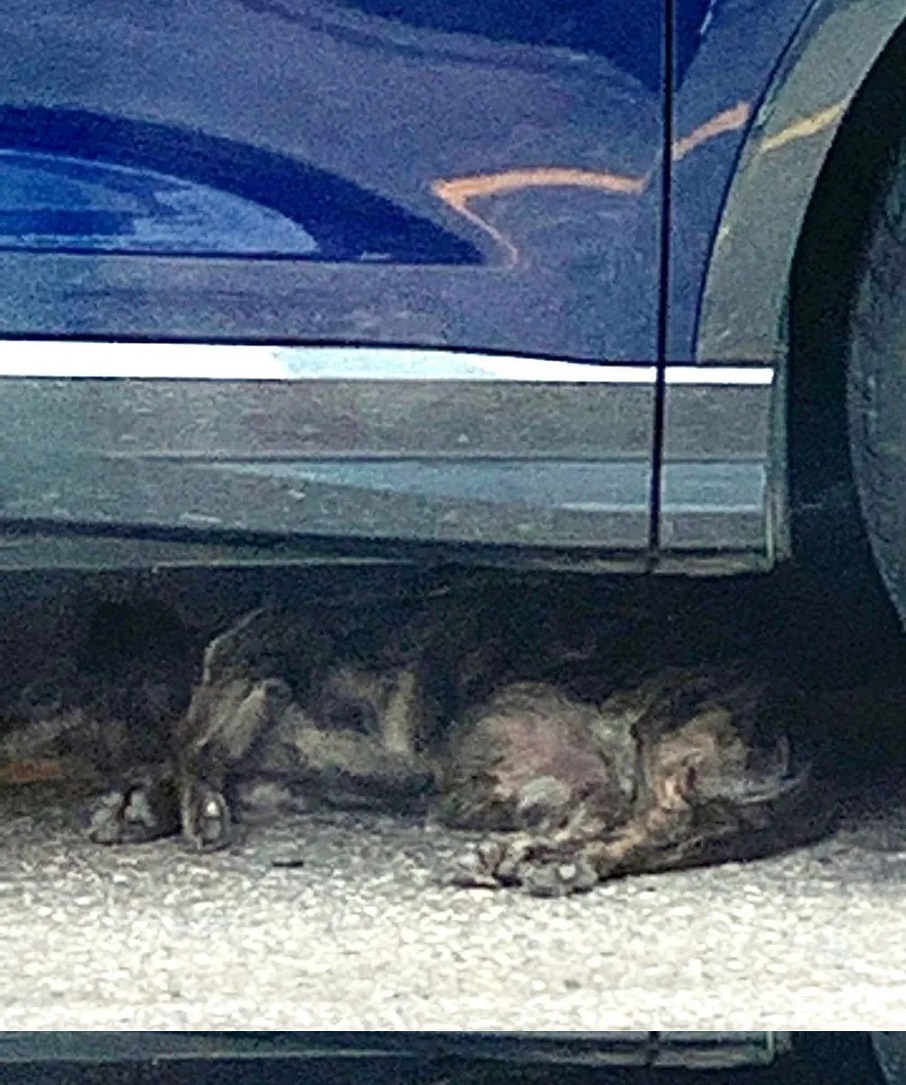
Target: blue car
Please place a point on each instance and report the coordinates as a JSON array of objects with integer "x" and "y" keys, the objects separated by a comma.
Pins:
[{"x": 612, "y": 285}]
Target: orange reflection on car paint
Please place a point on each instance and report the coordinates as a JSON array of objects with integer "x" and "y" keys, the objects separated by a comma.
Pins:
[
  {"x": 729, "y": 120},
  {"x": 459, "y": 192}
]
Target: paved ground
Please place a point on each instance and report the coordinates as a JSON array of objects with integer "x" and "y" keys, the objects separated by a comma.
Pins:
[{"x": 361, "y": 937}]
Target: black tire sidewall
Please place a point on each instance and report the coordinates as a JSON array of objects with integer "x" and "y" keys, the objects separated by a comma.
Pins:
[
  {"x": 876, "y": 379},
  {"x": 890, "y": 1051}
]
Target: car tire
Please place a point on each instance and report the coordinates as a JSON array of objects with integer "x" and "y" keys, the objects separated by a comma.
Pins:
[
  {"x": 876, "y": 376},
  {"x": 890, "y": 1051}
]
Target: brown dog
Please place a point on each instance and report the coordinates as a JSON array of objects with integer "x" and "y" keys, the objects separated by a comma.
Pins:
[{"x": 457, "y": 708}]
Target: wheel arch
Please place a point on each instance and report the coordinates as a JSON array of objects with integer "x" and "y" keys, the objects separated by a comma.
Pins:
[
  {"x": 805, "y": 109},
  {"x": 784, "y": 258}
]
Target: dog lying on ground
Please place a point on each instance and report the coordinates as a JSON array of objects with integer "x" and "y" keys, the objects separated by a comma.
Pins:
[
  {"x": 488, "y": 714},
  {"x": 487, "y": 723},
  {"x": 324, "y": 707}
]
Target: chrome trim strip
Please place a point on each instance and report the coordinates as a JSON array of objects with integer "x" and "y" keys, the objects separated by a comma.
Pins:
[
  {"x": 200, "y": 361},
  {"x": 762, "y": 375}
]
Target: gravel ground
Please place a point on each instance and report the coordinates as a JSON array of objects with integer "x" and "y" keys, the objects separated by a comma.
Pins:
[{"x": 362, "y": 936}]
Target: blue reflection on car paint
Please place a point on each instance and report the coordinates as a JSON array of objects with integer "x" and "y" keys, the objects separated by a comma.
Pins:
[
  {"x": 62, "y": 203},
  {"x": 76, "y": 181}
]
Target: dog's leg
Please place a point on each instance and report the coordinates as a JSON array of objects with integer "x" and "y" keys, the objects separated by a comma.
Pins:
[
  {"x": 187, "y": 791},
  {"x": 222, "y": 726},
  {"x": 132, "y": 680},
  {"x": 140, "y": 801},
  {"x": 242, "y": 695},
  {"x": 542, "y": 864}
]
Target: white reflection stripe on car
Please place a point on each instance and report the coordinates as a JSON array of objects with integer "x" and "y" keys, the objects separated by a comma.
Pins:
[{"x": 200, "y": 361}]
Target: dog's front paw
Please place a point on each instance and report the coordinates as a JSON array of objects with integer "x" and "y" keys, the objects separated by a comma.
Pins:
[
  {"x": 206, "y": 821},
  {"x": 477, "y": 868},
  {"x": 134, "y": 814},
  {"x": 551, "y": 876},
  {"x": 535, "y": 867}
]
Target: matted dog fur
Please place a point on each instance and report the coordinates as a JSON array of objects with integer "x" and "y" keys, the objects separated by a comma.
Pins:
[{"x": 501, "y": 719}]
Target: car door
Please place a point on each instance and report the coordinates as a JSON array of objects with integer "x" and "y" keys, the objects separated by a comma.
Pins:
[
  {"x": 723, "y": 470},
  {"x": 405, "y": 258}
]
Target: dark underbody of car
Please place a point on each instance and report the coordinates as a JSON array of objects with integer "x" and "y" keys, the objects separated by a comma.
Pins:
[
  {"x": 424, "y": 1057},
  {"x": 599, "y": 1049}
]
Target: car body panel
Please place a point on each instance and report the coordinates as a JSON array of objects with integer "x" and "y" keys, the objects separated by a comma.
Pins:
[
  {"x": 464, "y": 177},
  {"x": 439, "y": 448},
  {"x": 716, "y": 98},
  {"x": 730, "y": 293},
  {"x": 486, "y": 317},
  {"x": 521, "y": 148}
]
